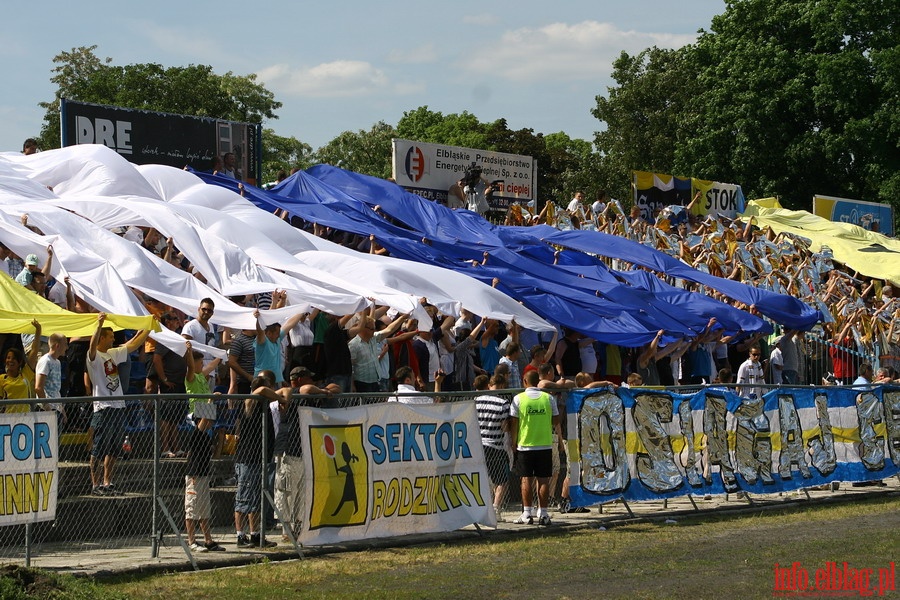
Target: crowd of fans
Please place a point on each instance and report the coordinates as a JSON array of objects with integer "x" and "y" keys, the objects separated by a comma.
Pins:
[{"x": 378, "y": 351}]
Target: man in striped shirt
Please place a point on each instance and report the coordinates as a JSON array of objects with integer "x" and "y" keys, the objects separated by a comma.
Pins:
[{"x": 493, "y": 420}]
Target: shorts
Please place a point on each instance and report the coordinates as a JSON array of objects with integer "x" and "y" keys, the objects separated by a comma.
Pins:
[
  {"x": 109, "y": 432},
  {"x": 197, "y": 503},
  {"x": 534, "y": 463},
  {"x": 248, "y": 497},
  {"x": 497, "y": 462}
]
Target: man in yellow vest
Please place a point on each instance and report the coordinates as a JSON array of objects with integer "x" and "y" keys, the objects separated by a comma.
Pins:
[{"x": 534, "y": 418}]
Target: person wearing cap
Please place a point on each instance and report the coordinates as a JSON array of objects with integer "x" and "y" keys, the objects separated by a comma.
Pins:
[
  {"x": 267, "y": 347},
  {"x": 32, "y": 266},
  {"x": 197, "y": 475}
]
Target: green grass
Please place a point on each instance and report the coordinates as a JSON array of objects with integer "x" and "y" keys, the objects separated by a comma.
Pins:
[{"x": 729, "y": 556}]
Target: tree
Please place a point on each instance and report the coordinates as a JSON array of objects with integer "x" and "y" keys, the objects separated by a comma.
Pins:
[
  {"x": 645, "y": 115},
  {"x": 283, "y": 154},
  {"x": 367, "y": 152},
  {"x": 799, "y": 97},
  {"x": 785, "y": 97},
  {"x": 424, "y": 125},
  {"x": 192, "y": 90}
]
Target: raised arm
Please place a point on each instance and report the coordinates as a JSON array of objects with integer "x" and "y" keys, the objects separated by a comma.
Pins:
[
  {"x": 95, "y": 338},
  {"x": 189, "y": 359},
  {"x": 32, "y": 357},
  {"x": 260, "y": 333},
  {"x": 138, "y": 340},
  {"x": 46, "y": 269}
]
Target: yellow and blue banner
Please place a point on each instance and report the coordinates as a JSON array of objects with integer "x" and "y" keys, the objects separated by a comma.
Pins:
[{"x": 646, "y": 444}]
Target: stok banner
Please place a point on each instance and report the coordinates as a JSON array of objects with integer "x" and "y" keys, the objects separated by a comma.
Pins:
[
  {"x": 726, "y": 199},
  {"x": 644, "y": 444},
  {"x": 430, "y": 170},
  {"x": 145, "y": 137},
  {"x": 29, "y": 475},
  {"x": 392, "y": 469}
]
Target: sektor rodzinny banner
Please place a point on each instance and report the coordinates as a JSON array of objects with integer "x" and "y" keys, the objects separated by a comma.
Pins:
[
  {"x": 644, "y": 444},
  {"x": 392, "y": 469},
  {"x": 29, "y": 473}
]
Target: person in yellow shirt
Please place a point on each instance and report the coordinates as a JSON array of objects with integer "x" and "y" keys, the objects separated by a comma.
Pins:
[{"x": 18, "y": 380}]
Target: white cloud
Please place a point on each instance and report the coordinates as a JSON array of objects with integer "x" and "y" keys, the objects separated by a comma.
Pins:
[
  {"x": 416, "y": 56},
  {"x": 340, "y": 78},
  {"x": 560, "y": 52}
]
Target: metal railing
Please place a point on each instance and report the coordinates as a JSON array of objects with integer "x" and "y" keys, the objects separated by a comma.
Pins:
[{"x": 147, "y": 510}]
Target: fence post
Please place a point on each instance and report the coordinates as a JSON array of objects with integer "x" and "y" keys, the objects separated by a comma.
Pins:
[
  {"x": 264, "y": 477},
  {"x": 155, "y": 535}
]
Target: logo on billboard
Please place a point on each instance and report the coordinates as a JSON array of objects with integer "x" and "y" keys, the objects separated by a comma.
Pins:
[
  {"x": 340, "y": 475},
  {"x": 414, "y": 163}
]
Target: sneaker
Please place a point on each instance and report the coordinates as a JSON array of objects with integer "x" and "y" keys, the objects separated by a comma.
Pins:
[
  {"x": 112, "y": 490},
  {"x": 179, "y": 454},
  {"x": 544, "y": 520},
  {"x": 212, "y": 547},
  {"x": 243, "y": 542},
  {"x": 524, "y": 520},
  {"x": 565, "y": 506},
  {"x": 580, "y": 510},
  {"x": 256, "y": 541},
  {"x": 167, "y": 455},
  {"x": 98, "y": 490},
  {"x": 195, "y": 547}
]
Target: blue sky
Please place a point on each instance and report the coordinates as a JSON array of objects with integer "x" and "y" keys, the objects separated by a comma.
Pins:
[{"x": 342, "y": 66}]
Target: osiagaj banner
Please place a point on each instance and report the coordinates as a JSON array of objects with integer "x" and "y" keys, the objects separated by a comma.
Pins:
[{"x": 644, "y": 444}]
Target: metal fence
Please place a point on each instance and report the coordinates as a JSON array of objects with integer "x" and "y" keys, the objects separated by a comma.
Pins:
[
  {"x": 147, "y": 502},
  {"x": 147, "y": 507}
]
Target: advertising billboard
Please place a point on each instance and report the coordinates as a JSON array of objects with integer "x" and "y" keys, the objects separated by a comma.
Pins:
[
  {"x": 431, "y": 170},
  {"x": 146, "y": 137}
]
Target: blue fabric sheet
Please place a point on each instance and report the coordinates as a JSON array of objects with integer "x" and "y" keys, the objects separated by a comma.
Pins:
[{"x": 571, "y": 287}]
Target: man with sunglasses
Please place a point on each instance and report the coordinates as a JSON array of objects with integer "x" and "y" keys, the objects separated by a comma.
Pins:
[{"x": 751, "y": 373}]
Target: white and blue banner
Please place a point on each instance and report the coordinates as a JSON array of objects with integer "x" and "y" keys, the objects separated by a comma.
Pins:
[
  {"x": 392, "y": 469},
  {"x": 645, "y": 444}
]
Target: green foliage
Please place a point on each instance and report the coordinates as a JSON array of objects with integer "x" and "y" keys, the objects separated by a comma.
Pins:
[
  {"x": 283, "y": 154},
  {"x": 367, "y": 152},
  {"x": 785, "y": 97},
  {"x": 645, "y": 116},
  {"x": 799, "y": 97},
  {"x": 192, "y": 90},
  {"x": 564, "y": 165}
]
